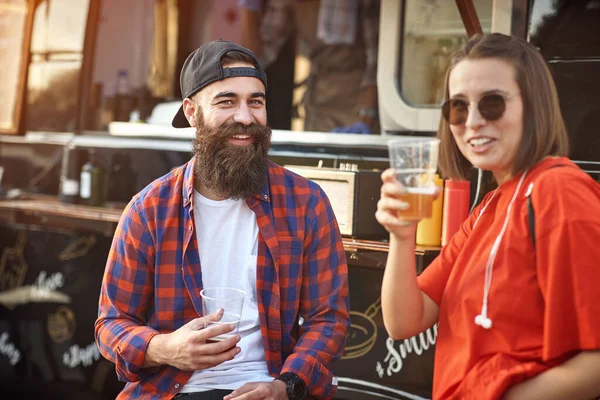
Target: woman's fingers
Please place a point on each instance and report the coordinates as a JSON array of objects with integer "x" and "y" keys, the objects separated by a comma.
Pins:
[
  {"x": 388, "y": 175},
  {"x": 393, "y": 204}
]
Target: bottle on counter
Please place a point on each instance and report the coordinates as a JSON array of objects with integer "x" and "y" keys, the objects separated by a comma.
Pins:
[
  {"x": 457, "y": 195},
  {"x": 69, "y": 184},
  {"x": 429, "y": 230},
  {"x": 123, "y": 98},
  {"x": 92, "y": 182}
]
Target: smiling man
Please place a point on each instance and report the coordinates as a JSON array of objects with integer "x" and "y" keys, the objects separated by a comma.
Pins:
[{"x": 229, "y": 217}]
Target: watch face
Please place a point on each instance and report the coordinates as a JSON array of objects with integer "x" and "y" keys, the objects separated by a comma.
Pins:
[
  {"x": 297, "y": 391},
  {"x": 295, "y": 387}
]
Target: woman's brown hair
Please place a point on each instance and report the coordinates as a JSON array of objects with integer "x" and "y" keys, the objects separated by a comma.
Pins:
[{"x": 544, "y": 132}]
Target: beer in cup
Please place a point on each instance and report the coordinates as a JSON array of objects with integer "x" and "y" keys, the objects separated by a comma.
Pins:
[{"x": 414, "y": 160}]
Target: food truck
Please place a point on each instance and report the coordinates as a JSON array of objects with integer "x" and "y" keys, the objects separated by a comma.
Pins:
[{"x": 88, "y": 86}]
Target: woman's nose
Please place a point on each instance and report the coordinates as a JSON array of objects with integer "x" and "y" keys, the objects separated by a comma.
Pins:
[{"x": 474, "y": 118}]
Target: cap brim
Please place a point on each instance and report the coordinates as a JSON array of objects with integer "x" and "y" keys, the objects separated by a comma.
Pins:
[{"x": 180, "y": 121}]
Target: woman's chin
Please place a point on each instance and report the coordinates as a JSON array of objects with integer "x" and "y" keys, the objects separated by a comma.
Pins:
[
  {"x": 485, "y": 163},
  {"x": 486, "y": 166}
]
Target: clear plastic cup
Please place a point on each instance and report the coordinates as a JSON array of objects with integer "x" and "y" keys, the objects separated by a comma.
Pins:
[
  {"x": 231, "y": 300},
  {"x": 414, "y": 160}
]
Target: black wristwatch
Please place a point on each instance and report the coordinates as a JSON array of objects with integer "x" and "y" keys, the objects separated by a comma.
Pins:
[{"x": 294, "y": 386}]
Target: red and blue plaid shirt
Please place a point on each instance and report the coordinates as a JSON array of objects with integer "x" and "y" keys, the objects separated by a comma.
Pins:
[{"x": 153, "y": 278}]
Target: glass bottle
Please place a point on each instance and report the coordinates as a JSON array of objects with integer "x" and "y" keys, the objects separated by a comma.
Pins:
[
  {"x": 92, "y": 182},
  {"x": 123, "y": 99},
  {"x": 69, "y": 185}
]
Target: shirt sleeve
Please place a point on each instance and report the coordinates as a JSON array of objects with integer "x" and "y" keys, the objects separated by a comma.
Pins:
[
  {"x": 370, "y": 29},
  {"x": 277, "y": 25},
  {"x": 567, "y": 219},
  {"x": 121, "y": 332},
  {"x": 324, "y": 303}
]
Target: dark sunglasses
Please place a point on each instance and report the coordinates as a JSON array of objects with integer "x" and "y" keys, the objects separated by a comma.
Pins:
[{"x": 491, "y": 107}]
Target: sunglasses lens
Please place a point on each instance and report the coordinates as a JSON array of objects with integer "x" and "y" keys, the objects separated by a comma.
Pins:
[
  {"x": 491, "y": 107},
  {"x": 455, "y": 111}
]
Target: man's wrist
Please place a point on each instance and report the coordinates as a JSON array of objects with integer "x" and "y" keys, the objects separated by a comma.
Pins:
[
  {"x": 156, "y": 351},
  {"x": 295, "y": 386},
  {"x": 281, "y": 386}
]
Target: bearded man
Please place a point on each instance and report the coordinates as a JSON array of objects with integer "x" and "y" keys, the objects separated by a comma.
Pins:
[{"x": 229, "y": 217}]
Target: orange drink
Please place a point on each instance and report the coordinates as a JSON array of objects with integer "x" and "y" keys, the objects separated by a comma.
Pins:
[
  {"x": 420, "y": 201},
  {"x": 414, "y": 160}
]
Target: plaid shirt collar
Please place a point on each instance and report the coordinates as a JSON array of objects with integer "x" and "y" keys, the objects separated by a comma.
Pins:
[{"x": 188, "y": 186}]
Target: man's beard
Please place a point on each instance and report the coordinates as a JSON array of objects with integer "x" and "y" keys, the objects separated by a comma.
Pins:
[{"x": 229, "y": 170}]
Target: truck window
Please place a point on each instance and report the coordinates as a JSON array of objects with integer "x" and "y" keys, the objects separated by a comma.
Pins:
[
  {"x": 414, "y": 54},
  {"x": 432, "y": 31},
  {"x": 56, "y": 57}
]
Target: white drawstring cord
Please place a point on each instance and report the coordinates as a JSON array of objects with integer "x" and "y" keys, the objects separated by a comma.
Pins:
[
  {"x": 482, "y": 319},
  {"x": 477, "y": 190}
]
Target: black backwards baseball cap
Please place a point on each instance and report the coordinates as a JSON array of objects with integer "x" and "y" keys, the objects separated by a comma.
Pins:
[{"x": 203, "y": 67}]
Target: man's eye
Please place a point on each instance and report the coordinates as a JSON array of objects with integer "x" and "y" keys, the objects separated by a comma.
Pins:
[{"x": 226, "y": 102}]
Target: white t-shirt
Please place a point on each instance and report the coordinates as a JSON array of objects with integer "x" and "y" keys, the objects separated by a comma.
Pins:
[{"x": 227, "y": 235}]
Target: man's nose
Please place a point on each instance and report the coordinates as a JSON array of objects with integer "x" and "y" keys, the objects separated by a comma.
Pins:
[{"x": 243, "y": 115}]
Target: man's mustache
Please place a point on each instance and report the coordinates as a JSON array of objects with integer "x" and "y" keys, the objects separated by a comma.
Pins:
[{"x": 230, "y": 129}]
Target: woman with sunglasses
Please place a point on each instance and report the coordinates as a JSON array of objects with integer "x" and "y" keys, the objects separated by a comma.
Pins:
[{"x": 517, "y": 319}]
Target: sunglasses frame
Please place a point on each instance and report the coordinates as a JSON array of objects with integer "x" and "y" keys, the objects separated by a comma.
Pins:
[{"x": 487, "y": 114}]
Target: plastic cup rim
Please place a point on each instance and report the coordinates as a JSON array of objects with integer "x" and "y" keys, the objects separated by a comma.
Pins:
[{"x": 239, "y": 291}]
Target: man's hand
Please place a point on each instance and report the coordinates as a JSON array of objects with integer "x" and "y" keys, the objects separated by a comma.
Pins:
[
  {"x": 187, "y": 348},
  {"x": 259, "y": 390}
]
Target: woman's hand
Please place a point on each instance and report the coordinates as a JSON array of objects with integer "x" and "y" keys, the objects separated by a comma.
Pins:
[{"x": 391, "y": 204}]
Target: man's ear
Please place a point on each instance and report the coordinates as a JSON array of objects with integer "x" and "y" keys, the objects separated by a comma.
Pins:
[{"x": 189, "y": 109}]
